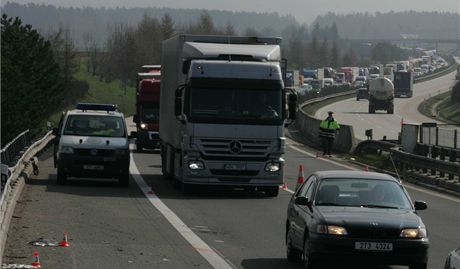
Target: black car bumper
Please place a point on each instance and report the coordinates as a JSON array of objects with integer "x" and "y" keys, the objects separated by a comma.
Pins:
[
  {"x": 404, "y": 251},
  {"x": 94, "y": 166}
]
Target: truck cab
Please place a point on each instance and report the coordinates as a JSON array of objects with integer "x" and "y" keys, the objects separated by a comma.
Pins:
[
  {"x": 223, "y": 110},
  {"x": 147, "y": 110}
]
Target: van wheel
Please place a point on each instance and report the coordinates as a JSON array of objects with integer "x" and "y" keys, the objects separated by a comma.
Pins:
[
  {"x": 61, "y": 176},
  {"x": 123, "y": 180}
]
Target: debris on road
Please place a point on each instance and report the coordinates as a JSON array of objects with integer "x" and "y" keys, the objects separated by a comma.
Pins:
[{"x": 43, "y": 242}]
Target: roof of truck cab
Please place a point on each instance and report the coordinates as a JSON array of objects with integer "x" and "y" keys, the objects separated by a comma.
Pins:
[
  {"x": 235, "y": 69},
  {"x": 193, "y": 50}
]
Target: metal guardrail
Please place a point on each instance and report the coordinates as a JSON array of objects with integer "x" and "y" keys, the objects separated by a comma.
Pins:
[
  {"x": 13, "y": 155},
  {"x": 11, "y": 152}
]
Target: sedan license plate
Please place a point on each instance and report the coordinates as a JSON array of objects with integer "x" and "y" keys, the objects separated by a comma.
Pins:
[
  {"x": 235, "y": 167},
  {"x": 93, "y": 167},
  {"x": 374, "y": 246}
]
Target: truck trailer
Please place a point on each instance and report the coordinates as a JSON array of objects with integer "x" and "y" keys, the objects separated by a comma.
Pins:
[
  {"x": 381, "y": 95},
  {"x": 403, "y": 83},
  {"x": 222, "y": 112}
]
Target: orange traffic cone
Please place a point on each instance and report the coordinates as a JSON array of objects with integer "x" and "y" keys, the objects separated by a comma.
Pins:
[
  {"x": 36, "y": 263},
  {"x": 300, "y": 177},
  {"x": 284, "y": 186},
  {"x": 64, "y": 243},
  {"x": 402, "y": 121},
  {"x": 366, "y": 167}
]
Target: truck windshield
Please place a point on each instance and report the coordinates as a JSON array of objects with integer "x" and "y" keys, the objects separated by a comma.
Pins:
[
  {"x": 93, "y": 125},
  {"x": 150, "y": 113},
  {"x": 237, "y": 106}
]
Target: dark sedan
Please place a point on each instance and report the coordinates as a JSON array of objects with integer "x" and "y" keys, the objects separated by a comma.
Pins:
[{"x": 355, "y": 216}]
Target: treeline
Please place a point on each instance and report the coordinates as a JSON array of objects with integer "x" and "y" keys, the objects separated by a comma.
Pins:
[
  {"x": 36, "y": 74},
  {"x": 96, "y": 20},
  {"x": 432, "y": 25}
]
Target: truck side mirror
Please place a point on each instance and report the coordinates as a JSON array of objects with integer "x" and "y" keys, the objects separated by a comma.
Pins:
[
  {"x": 136, "y": 119},
  {"x": 178, "y": 101}
]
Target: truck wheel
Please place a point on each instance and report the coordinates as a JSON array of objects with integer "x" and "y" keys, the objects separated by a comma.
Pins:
[
  {"x": 164, "y": 164},
  {"x": 61, "y": 176},
  {"x": 271, "y": 191},
  {"x": 390, "y": 111},
  {"x": 123, "y": 180},
  {"x": 357, "y": 98},
  {"x": 138, "y": 146},
  {"x": 371, "y": 110}
]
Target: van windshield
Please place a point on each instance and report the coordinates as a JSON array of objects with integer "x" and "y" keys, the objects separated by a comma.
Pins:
[{"x": 94, "y": 125}]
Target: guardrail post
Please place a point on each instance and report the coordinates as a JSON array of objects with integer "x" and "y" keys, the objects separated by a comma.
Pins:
[
  {"x": 437, "y": 136},
  {"x": 455, "y": 138},
  {"x": 442, "y": 157}
]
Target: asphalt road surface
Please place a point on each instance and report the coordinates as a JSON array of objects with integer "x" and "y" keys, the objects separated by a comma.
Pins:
[
  {"x": 355, "y": 113},
  {"x": 115, "y": 227}
]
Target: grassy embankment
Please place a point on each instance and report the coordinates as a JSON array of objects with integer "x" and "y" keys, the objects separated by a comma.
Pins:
[
  {"x": 440, "y": 106},
  {"x": 101, "y": 92}
]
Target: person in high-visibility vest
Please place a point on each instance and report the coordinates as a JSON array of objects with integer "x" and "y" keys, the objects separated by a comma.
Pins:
[{"x": 327, "y": 130}]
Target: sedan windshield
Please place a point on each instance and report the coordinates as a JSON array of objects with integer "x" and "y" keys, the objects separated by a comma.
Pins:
[
  {"x": 241, "y": 106},
  {"x": 361, "y": 193},
  {"x": 94, "y": 125}
]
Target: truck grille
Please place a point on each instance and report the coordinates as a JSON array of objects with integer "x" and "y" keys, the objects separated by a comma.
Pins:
[
  {"x": 244, "y": 148},
  {"x": 222, "y": 172}
]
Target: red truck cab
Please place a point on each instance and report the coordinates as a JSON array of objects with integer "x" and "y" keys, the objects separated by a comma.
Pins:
[{"x": 147, "y": 109}]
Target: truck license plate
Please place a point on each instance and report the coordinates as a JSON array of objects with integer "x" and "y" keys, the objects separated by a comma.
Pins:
[
  {"x": 235, "y": 167},
  {"x": 374, "y": 246},
  {"x": 93, "y": 167}
]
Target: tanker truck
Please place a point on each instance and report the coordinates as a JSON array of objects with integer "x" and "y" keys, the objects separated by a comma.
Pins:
[
  {"x": 381, "y": 95},
  {"x": 223, "y": 107}
]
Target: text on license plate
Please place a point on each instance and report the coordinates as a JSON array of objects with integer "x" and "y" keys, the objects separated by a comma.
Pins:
[
  {"x": 235, "y": 167},
  {"x": 375, "y": 246},
  {"x": 93, "y": 167}
]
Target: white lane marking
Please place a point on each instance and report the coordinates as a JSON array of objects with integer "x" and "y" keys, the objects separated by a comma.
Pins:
[
  {"x": 409, "y": 186},
  {"x": 199, "y": 245}
]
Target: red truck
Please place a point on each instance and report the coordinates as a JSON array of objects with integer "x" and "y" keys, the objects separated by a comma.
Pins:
[{"x": 147, "y": 107}]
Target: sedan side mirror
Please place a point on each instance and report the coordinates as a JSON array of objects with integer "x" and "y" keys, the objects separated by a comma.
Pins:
[
  {"x": 420, "y": 205},
  {"x": 301, "y": 200}
]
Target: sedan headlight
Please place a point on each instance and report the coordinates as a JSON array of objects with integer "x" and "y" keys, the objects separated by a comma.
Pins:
[
  {"x": 143, "y": 126},
  {"x": 331, "y": 229},
  {"x": 68, "y": 150},
  {"x": 272, "y": 167},
  {"x": 196, "y": 165},
  {"x": 413, "y": 233}
]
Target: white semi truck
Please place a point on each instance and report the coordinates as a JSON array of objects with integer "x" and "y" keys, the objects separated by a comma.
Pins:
[
  {"x": 381, "y": 95},
  {"x": 223, "y": 108}
]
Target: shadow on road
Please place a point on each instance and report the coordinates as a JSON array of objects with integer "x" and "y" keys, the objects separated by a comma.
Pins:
[{"x": 284, "y": 263}]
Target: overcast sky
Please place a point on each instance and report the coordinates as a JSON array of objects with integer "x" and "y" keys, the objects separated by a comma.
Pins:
[{"x": 303, "y": 10}]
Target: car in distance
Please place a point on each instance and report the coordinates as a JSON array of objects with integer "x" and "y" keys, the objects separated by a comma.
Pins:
[
  {"x": 362, "y": 93},
  {"x": 355, "y": 216},
  {"x": 92, "y": 141},
  {"x": 453, "y": 260}
]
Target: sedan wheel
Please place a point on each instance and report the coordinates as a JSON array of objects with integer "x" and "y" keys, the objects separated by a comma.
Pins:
[
  {"x": 292, "y": 253},
  {"x": 307, "y": 259}
]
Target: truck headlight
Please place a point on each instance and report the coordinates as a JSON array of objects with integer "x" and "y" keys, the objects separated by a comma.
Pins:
[
  {"x": 143, "y": 126},
  {"x": 196, "y": 165},
  {"x": 272, "y": 167},
  {"x": 68, "y": 150},
  {"x": 413, "y": 233},
  {"x": 331, "y": 229}
]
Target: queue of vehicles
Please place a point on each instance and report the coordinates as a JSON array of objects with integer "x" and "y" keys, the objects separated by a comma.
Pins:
[{"x": 219, "y": 119}]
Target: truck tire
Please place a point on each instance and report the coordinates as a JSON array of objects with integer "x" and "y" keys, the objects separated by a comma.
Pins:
[
  {"x": 271, "y": 191},
  {"x": 371, "y": 109},
  {"x": 357, "y": 98},
  {"x": 164, "y": 164},
  {"x": 390, "y": 109},
  {"x": 61, "y": 177}
]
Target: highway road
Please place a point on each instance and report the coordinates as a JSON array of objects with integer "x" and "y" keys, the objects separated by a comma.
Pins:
[
  {"x": 115, "y": 227},
  {"x": 355, "y": 113}
]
